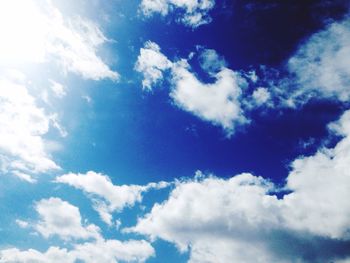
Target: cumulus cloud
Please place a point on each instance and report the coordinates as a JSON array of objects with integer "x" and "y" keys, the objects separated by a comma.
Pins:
[
  {"x": 22, "y": 127},
  {"x": 107, "y": 197},
  {"x": 241, "y": 219},
  {"x": 58, "y": 217},
  {"x": 36, "y": 33},
  {"x": 217, "y": 102},
  {"x": 322, "y": 63},
  {"x": 192, "y": 13}
]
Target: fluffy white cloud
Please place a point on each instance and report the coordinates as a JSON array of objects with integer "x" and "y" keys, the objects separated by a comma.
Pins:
[
  {"x": 151, "y": 63},
  {"x": 322, "y": 63},
  {"x": 217, "y": 102},
  {"x": 22, "y": 127},
  {"x": 114, "y": 251},
  {"x": 104, "y": 251},
  {"x": 193, "y": 13},
  {"x": 241, "y": 219},
  {"x": 34, "y": 31},
  {"x": 58, "y": 217},
  {"x": 106, "y": 196}
]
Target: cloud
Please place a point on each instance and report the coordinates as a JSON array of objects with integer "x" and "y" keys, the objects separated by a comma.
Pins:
[
  {"x": 151, "y": 63},
  {"x": 22, "y": 127},
  {"x": 58, "y": 217},
  {"x": 107, "y": 197},
  {"x": 191, "y": 13},
  {"x": 210, "y": 61},
  {"x": 21, "y": 223},
  {"x": 52, "y": 255},
  {"x": 321, "y": 65},
  {"x": 261, "y": 96},
  {"x": 58, "y": 89},
  {"x": 105, "y": 251},
  {"x": 241, "y": 219},
  {"x": 34, "y": 32},
  {"x": 217, "y": 102}
]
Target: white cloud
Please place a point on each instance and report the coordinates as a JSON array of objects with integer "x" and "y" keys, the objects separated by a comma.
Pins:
[
  {"x": 58, "y": 217},
  {"x": 103, "y": 251},
  {"x": 151, "y": 63},
  {"x": 25, "y": 177},
  {"x": 107, "y": 197},
  {"x": 22, "y": 127},
  {"x": 21, "y": 223},
  {"x": 58, "y": 89},
  {"x": 217, "y": 102},
  {"x": 322, "y": 64},
  {"x": 36, "y": 33},
  {"x": 52, "y": 255},
  {"x": 114, "y": 251},
  {"x": 241, "y": 220},
  {"x": 261, "y": 96},
  {"x": 193, "y": 13}
]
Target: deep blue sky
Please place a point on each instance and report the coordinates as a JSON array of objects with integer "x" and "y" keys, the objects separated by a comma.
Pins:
[{"x": 138, "y": 136}]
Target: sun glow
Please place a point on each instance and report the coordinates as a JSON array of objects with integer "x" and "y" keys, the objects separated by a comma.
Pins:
[{"x": 23, "y": 31}]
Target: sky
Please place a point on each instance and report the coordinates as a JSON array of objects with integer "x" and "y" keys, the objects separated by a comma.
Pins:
[{"x": 200, "y": 131}]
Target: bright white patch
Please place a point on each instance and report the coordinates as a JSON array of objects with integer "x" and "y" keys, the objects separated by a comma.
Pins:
[
  {"x": 193, "y": 12},
  {"x": 34, "y": 33},
  {"x": 107, "y": 197},
  {"x": 240, "y": 220},
  {"x": 58, "y": 217}
]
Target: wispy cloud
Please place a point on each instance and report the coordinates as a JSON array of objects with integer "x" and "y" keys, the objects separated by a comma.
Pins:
[{"x": 193, "y": 13}]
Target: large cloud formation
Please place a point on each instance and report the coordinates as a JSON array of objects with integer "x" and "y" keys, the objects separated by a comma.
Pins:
[
  {"x": 242, "y": 220},
  {"x": 217, "y": 102}
]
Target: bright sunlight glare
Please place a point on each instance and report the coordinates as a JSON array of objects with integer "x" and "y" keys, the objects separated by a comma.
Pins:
[{"x": 23, "y": 30}]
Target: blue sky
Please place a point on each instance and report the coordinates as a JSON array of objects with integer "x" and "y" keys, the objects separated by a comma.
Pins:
[{"x": 174, "y": 131}]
